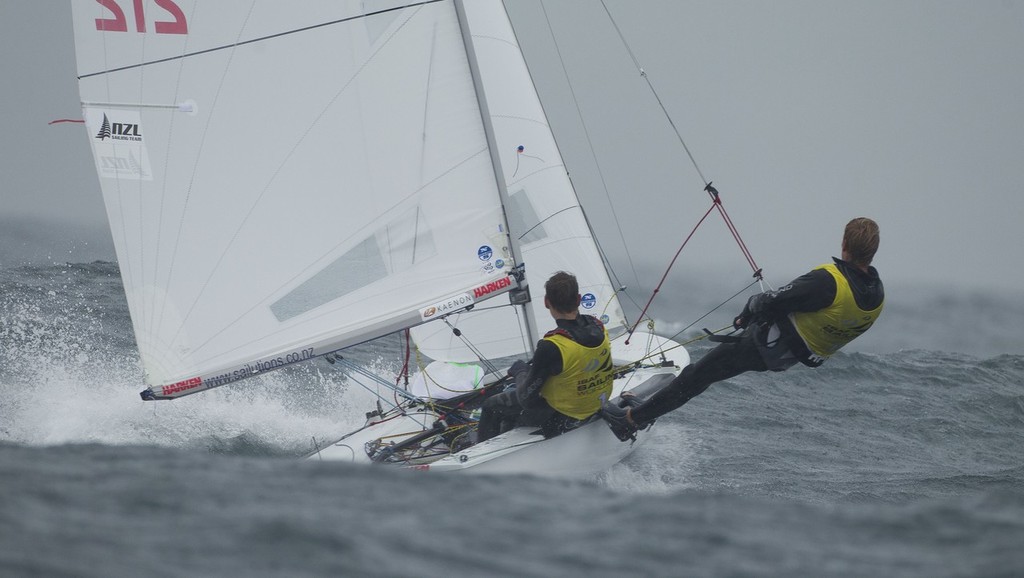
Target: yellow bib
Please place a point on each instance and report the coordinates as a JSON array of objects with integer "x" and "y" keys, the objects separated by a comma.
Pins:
[
  {"x": 586, "y": 376},
  {"x": 826, "y": 330}
]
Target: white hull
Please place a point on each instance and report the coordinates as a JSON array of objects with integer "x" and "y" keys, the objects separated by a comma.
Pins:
[{"x": 584, "y": 451}]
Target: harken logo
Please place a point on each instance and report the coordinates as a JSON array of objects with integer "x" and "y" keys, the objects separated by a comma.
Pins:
[
  {"x": 491, "y": 287},
  {"x": 183, "y": 385}
]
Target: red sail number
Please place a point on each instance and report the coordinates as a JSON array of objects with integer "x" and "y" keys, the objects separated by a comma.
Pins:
[{"x": 120, "y": 24}]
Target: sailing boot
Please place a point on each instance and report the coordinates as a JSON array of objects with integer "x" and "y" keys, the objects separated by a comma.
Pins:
[{"x": 619, "y": 417}]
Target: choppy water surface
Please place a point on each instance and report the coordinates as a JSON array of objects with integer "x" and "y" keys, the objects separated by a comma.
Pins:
[{"x": 899, "y": 458}]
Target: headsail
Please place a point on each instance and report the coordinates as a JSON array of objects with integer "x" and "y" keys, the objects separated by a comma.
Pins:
[
  {"x": 544, "y": 213},
  {"x": 284, "y": 181}
]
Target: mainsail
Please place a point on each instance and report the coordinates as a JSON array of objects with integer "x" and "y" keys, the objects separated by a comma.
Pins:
[{"x": 283, "y": 181}]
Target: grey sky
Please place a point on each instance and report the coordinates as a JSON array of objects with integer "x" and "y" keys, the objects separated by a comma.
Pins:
[{"x": 804, "y": 114}]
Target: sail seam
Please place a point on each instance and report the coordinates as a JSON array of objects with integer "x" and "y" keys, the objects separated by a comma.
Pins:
[
  {"x": 261, "y": 302},
  {"x": 548, "y": 218},
  {"x": 260, "y": 39},
  {"x": 271, "y": 180}
]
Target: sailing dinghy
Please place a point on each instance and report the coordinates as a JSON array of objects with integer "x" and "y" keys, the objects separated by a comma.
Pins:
[{"x": 285, "y": 182}]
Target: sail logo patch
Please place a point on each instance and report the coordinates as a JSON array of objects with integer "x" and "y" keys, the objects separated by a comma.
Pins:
[
  {"x": 118, "y": 144},
  {"x": 588, "y": 301},
  {"x": 484, "y": 252},
  {"x": 128, "y": 131},
  {"x": 449, "y": 305},
  {"x": 491, "y": 287},
  {"x": 183, "y": 385}
]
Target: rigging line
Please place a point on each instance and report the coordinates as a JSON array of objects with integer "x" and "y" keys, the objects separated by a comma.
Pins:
[
  {"x": 260, "y": 39},
  {"x": 593, "y": 155},
  {"x": 669, "y": 268},
  {"x": 643, "y": 73},
  {"x": 428, "y": 379},
  {"x": 377, "y": 379},
  {"x": 624, "y": 290},
  {"x": 524, "y": 339},
  {"x": 663, "y": 350},
  {"x": 732, "y": 228},
  {"x": 716, "y": 308},
  {"x": 736, "y": 235},
  {"x": 458, "y": 333},
  {"x": 707, "y": 184},
  {"x": 650, "y": 346}
]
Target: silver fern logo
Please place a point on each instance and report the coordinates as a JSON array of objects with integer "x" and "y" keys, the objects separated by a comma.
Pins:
[
  {"x": 104, "y": 129},
  {"x": 119, "y": 131},
  {"x": 118, "y": 146}
]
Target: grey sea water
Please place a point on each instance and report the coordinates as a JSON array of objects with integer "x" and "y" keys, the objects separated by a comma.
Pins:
[{"x": 900, "y": 457}]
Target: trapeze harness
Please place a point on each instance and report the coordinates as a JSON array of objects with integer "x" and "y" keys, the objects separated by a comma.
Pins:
[
  {"x": 586, "y": 376},
  {"x": 825, "y": 331}
]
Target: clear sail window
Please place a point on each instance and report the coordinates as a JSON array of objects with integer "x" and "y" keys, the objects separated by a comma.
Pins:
[
  {"x": 522, "y": 216},
  {"x": 394, "y": 247}
]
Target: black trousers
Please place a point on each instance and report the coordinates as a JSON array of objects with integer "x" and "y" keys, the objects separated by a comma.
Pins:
[
  {"x": 503, "y": 412},
  {"x": 754, "y": 351}
]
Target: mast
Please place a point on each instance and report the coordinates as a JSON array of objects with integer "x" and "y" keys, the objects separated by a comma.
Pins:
[{"x": 499, "y": 177}]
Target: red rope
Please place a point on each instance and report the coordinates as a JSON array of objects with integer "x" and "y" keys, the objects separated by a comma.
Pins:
[
  {"x": 64, "y": 120},
  {"x": 716, "y": 203},
  {"x": 735, "y": 232},
  {"x": 663, "y": 277}
]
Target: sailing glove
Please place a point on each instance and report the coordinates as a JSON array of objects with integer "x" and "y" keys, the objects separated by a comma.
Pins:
[{"x": 518, "y": 367}]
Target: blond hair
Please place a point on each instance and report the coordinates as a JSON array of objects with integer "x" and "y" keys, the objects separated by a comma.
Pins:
[{"x": 860, "y": 239}]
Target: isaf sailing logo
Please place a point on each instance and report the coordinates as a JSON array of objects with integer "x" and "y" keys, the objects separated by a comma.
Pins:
[
  {"x": 588, "y": 301},
  {"x": 123, "y": 131}
]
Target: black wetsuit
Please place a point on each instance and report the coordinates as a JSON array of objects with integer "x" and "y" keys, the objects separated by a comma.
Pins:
[
  {"x": 769, "y": 340},
  {"x": 523, "y": 405}
]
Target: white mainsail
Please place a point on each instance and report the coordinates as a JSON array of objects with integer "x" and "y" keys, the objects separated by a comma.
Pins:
[{"x": 283, "y": 180}]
